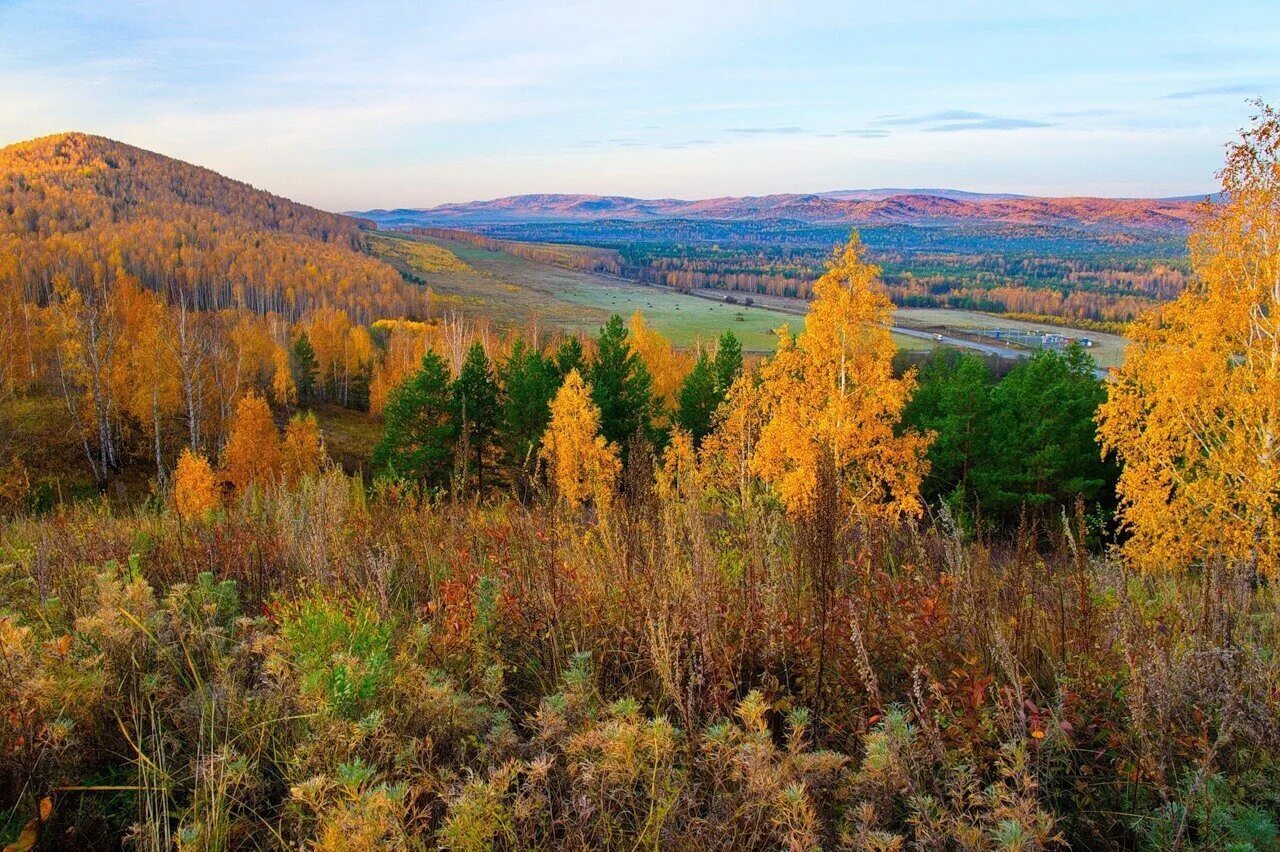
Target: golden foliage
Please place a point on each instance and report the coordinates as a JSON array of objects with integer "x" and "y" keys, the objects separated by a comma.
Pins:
[
  {"x": 407, "y": 342},
  {"x": 15, "y": 484},
  {"x": 1194, "y": 413},
  {"x": 194, "y": 490},
  {"x": 666, "y": 366},
  {"x": 283, "y": 389},
  {"x": 581, "y": 464},
  {"x": 252, "y": 453},
  {"x": 302, "y": 451},
  {"x": 728, "y": 450},
  {"x": 419, "y": 257},
  {"x": 88, "y": 206},
  {"x": 343, "y": 350},
  {"x": 678, "y": 477},
  {"x": 832, "y": 392}
]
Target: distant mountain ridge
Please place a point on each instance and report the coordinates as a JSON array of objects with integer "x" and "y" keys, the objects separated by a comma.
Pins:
[{"x": 852, "y": 207}]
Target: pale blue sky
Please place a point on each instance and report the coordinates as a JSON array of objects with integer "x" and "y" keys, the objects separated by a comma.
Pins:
[{"x": 402, "y": 104}]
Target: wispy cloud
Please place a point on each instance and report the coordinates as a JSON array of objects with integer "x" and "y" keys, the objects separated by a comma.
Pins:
[
  {"x": 611, "y": 143},
  {"x": 766, "y": 131},
  {"x": 403, "y": 103},
  {"x": 956, "y": 120},
  {"x": 990, "y": 123},
  {"x": 932, "y": 117},
  {"x": 1214, "y": 91},
  {"x": 1085, "y": 113}
]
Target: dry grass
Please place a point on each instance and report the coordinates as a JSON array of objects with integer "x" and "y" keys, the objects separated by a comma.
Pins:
[{"x": 335, "y": 666}]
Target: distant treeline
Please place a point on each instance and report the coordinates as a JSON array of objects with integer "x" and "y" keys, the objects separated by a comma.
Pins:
[{"x": 1094, "y": 279}]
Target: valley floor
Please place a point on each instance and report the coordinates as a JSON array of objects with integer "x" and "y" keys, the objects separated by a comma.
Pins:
[{"x": 516, "y": 290}]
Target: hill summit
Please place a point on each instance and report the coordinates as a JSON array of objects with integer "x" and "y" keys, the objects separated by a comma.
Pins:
[{"x": 89, "y": 209}]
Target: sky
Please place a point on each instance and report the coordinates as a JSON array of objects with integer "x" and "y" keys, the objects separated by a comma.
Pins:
[{"x": 352, "y": 106}]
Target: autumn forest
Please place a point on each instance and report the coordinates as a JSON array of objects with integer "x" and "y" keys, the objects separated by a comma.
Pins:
[{"x": 315, "y": 535}]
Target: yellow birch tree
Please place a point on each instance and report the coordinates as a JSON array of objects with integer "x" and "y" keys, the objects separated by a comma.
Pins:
[
  {"x": 666, "y": 366},
  {"x": 831, "y": 396},
  {"x": 194, "y": 489},
  {"x": 302, "y": 451},
  {"x": 252, "y": 453},
  {"x": 1194, "y": 412}
]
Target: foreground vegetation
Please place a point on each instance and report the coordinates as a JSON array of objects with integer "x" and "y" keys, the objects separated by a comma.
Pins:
[{"x": 346, "y": 669}]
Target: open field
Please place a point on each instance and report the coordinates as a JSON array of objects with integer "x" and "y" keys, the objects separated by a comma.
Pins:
[{"x": 513, "y": 290}]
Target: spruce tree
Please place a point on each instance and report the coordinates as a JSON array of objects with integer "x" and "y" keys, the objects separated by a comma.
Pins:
[
  {"x": 728, "y": 364},
  {"x": 475, "y": 407},
  {"x": 302, "y": 360},
  {"x": 953, "y": 401},
  {"x": 567, "y": 359},
  {"x": 620, "y": 386},
  {"x": 529, "y": 382},
  {"x": 699, "y": 398},
  {"x": 417, "y": 441},
  {"x": 1042, "y": 452}
]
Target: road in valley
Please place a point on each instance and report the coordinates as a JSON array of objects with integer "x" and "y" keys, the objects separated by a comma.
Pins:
[{"x": 798, "y": 307}]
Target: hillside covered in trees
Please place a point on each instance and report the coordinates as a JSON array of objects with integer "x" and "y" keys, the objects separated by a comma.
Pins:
[
  {"x": 149, "y": 294},
  {"x": 85, "y": 209}
]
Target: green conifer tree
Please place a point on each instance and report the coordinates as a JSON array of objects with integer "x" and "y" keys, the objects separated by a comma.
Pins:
[
  {"x": 1043, "y": 450},
  {"x": 699, "y": 398},
  {"x": 953, "y": 401},
  {"x": 475, "y": 408},
  {"x": 417, "y": 441},
  {"x": 302, "y": 360},
  {"x": 620, "y": 386},
  {"x": 728, "y": 363},
  {"x": 568, "y": 358},
  {"x": 529, "y": 382}
]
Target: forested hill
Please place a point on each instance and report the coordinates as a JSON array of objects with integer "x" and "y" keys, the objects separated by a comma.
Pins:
[
  {"x": 866, "y": 207},
  {"x": 84, "y": 210}
]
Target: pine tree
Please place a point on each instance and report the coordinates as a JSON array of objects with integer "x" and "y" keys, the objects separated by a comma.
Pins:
[
  {"x": 529, "y": 383},
  {"x": 699, "y": 398},
  {"x": 620, "y": 386},
  {"x": 953, "y": 401},
  {"x": 475, "y": 407},
  {"x": 568, "y": 358},
  {"x": 356, "y": 395},
  {"x": 728, "y": 363},
  {"x": 305, "y": 368},
  {"x": 417, "y": 440},
  {"x": 1042, "y": 451}
]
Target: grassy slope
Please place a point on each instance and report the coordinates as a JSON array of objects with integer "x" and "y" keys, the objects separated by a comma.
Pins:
[
  {"x": 511, "y": 290},
  {"x": 349, "y": 436}
]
